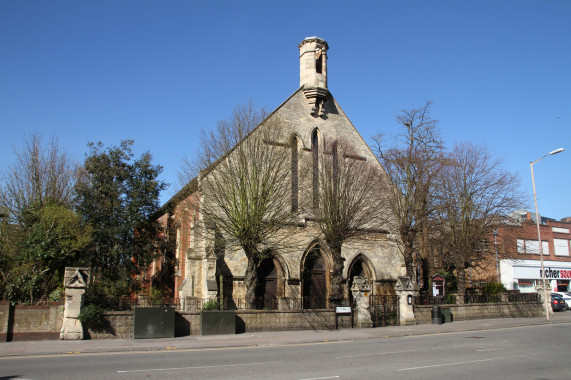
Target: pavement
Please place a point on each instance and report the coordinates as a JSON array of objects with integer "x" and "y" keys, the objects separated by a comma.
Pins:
[{"x": 268, "y": 338}]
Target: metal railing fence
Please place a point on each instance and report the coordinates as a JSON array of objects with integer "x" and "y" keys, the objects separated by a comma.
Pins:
[
  {"x": 450, "y": 299},
  {"x": 384, "y": 310}
]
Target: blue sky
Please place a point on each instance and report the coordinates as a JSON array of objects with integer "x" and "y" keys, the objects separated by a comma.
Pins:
[{"x": 498, "y": 72}]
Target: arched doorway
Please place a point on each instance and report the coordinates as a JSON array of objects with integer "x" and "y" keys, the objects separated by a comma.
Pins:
[
  {"x": 314, "y": 283},
  {"x": 359, "y": 267},
  {"x": 268, "y": 285}
]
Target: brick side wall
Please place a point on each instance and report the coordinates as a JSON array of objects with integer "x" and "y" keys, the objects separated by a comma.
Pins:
[
  {"x": 528, "y": 231},
  {"x": 34, "y": 322},
  {"x": 482, "y": 311},
  {"x": 4, "y": 320}
]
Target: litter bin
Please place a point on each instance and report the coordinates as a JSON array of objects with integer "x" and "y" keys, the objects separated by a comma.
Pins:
[{"x": 436, "y": 315}]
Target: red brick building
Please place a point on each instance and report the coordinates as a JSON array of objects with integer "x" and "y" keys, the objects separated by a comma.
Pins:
[{"x": 523, "y": 271}]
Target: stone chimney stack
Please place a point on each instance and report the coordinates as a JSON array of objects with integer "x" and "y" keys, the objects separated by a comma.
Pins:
[{"x": 313, "y": 72}]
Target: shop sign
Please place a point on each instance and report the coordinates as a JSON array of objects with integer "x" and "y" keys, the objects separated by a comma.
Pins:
[
  {"x": 535, "y": 273},
  {"x": 556, "y": 273}
]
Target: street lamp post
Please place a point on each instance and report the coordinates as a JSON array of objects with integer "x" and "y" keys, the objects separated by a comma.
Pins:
[
  {"x": 538, "y": 231},
  {"x": 495, "y": 233}
]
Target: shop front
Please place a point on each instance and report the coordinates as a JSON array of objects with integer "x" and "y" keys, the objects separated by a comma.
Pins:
[{"x": 523, "y": 275}]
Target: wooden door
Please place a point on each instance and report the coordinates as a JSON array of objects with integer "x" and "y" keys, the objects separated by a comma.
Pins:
[{"x": 317, "y": 285}]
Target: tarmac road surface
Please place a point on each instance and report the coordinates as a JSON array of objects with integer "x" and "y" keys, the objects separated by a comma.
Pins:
[{"x": 526, "y": 348}]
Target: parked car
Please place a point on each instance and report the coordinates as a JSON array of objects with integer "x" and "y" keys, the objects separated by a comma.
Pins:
[
  {"x": 557, "y": 302},
  {"x": 566, "y": 298}
]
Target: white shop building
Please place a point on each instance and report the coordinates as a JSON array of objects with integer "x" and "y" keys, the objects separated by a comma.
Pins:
[{"x": 523, "y": 275}]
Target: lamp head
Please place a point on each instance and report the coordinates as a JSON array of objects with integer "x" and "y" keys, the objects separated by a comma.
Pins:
[{"x": 556, "y": 151}]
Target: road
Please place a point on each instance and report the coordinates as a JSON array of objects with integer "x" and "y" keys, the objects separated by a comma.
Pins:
[{"x": 527, "y": 352}]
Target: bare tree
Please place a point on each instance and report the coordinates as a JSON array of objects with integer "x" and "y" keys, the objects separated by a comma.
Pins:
[
  {"x": 245, "y": 192},
  {"x": 349, "y": 202},
  {"x": 40, "y": 175},
  {"x": 218, "y": 142},
  {"x": 412, "y": 162},
  {"x": 474, "y": 194}
]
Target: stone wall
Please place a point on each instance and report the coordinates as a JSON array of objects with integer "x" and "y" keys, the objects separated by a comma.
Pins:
[
  {"x": 482, "y": 311},
  {"x": 30, "y": 322},
  {"x": 266, "y": 320},
  {"x": 44, "y": 322},
  {"x": 187, "y": 323},
  {"x": 120, "y": 324}
]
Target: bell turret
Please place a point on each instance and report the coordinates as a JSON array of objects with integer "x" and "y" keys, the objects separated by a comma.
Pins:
[{"x": 313, "y": 72}]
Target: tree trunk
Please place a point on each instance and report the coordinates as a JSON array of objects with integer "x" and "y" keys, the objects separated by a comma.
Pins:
[
  {"x": 337, "y": 277},
  {"x": 426, "y": 274},
  {"x": 409, "y": 262},
  {"x": 408, "y": 238},
  {"x": 461, "y": 285},
  {"x": 251, "y": 282}
]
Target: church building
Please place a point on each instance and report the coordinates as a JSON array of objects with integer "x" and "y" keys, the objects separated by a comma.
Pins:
[{"x": 311, "y": 123}]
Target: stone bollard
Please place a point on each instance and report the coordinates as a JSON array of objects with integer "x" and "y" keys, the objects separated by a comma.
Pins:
[
  {"x": 361, "y": 290},
  {"x": 75, "y": 283}
]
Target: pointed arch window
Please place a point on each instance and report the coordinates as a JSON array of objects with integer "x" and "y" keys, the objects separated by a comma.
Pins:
[
  {"x": 294, "y": 174},
  {"x": 178, "y": 242},
  {"x": 335, "y": 158},
  {"x": 315, "y": 171}
]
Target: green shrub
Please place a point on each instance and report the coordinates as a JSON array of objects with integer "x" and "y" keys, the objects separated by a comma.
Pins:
[
  {"x": 494, "y": 288},
  {"x": 108, "y": 295},
  {"x": 57, "y": 295},
  {"x": 156, "y": 297},
  {"x": 211, "y": 305},
  {"x": 450, "y": 299},
  {"x": 92, "y": 315}
]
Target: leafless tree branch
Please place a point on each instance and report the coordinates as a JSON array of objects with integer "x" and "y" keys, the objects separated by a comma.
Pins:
[{"x": 41, "y": 174}]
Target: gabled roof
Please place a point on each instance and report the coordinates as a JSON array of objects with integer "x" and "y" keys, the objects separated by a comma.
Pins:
[
  {"x": 182, "y": 194},
  {"x": 192, "y": 186}
]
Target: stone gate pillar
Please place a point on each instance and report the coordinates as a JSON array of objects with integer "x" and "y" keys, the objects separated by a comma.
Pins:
[
  {"x": 361, "y": 291},
  {"x": 75, "y": 282},
  {"x": 406, "y": 292},
  {"x": 547, "y": 294}
]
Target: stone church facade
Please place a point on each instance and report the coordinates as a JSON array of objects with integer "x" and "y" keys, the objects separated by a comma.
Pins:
[{"x": 310, "y": 117}]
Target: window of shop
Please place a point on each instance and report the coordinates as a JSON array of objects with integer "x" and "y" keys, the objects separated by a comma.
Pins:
[
  {"x": 526, "y": 285},
  {"x": 531, "y": 247},
  {"x": 561, "y": 247},
  {"x": 562, "y": 286}
]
